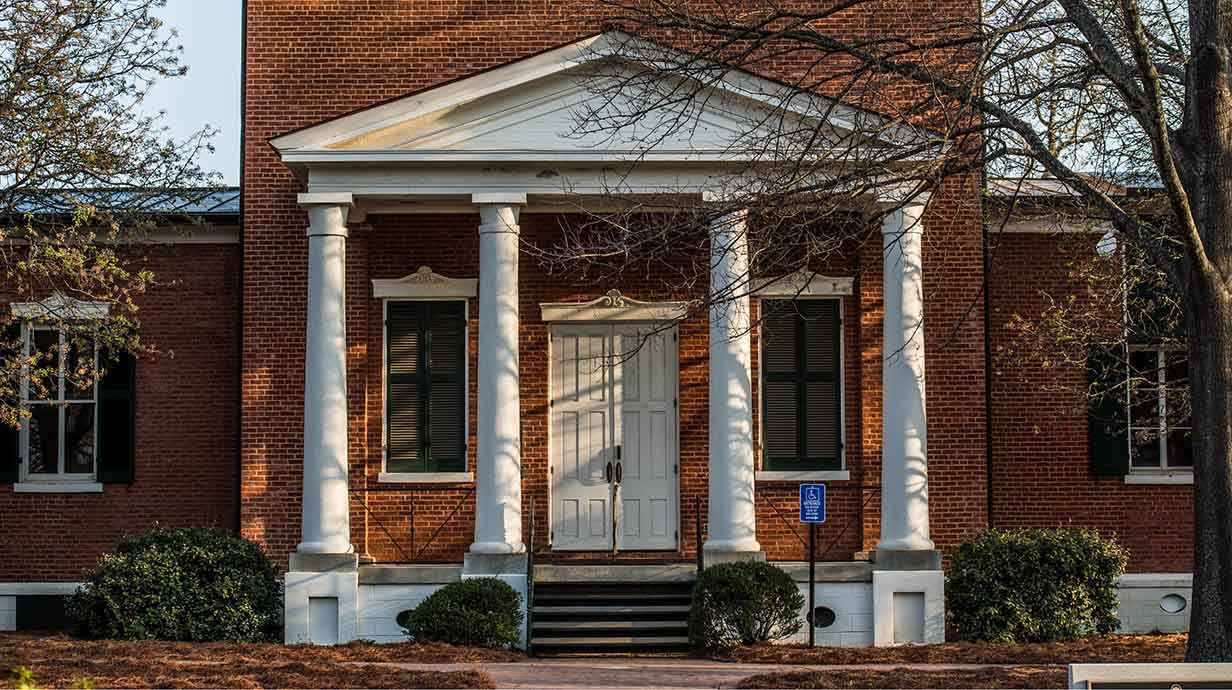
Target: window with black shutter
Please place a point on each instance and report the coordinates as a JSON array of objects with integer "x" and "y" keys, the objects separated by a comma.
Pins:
[
  {"x": 78, "y": 410},
  {"x": 425, "y": 392},
  {"x": 801, "y": 343}
]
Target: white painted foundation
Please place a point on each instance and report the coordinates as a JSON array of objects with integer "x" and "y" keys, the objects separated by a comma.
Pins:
[
  {"x": 908, "y": 607},
  {"x": 1148, "y": 602},
  {"x": 8, "y": 613},
  {"x": 320, "y": 608},
  {"x": 852, "y": 603},
  {"x": 379, "y": 606}
]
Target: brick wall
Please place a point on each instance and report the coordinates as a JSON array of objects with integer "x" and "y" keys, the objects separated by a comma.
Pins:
[
  {"x": 187, "y": 435},
  {"x": 312, "y": 62},
  {"x": 1041, "y": 473}
]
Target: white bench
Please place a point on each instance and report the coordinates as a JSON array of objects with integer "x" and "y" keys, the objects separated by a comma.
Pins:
[{"x": 1149, "y": 676}]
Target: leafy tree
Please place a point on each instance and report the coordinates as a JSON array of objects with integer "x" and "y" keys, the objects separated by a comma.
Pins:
[{"x": 81, "y": 169}]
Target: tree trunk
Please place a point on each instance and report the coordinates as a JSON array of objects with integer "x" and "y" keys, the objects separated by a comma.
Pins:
[{"x": 1209, "y": 321}]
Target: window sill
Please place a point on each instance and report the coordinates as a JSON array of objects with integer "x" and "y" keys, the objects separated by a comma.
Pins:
[
  {"x": 1170, "y": 478},
  {"x": 803, "y": 476},
  {"x": 425, "y": 477},
  {"x": 58, "y": 488}
]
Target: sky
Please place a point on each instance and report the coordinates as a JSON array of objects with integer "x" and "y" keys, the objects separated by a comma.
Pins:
[{"x": 210, "y": 31}]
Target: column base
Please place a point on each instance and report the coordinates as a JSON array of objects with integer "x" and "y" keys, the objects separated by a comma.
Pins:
[
  {"x": 488, "y": 564},
  {"x": 717, "y": 553},
  {"x": 913, "y": 559},
  {"x": 321, "y": 599},
  {"x": 323, "y": 562},
  {"x": 908, "y": 607},
  {"x": 324, "y": 547},
  {"x": 497, "y": 548}
]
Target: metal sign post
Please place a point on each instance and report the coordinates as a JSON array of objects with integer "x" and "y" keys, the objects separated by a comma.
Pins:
[{"x": 813, "y": 512}]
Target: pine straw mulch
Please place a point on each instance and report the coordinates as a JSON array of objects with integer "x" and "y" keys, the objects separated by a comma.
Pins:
[
  {"x": 59, "y": 660},
  {"x": 1019, "y": 677},
  {"x": 1088, "y": 650}
]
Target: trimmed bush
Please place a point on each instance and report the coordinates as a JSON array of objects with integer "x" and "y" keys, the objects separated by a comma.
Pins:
[
  {"x": 479, "y": 612},
  {"x": 181, "y": 585},
  {"x": 1034, "y": 585},
  {"x": 744, "y": 603}
]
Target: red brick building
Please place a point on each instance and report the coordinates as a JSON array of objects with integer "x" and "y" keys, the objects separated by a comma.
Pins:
[
  {"x": 164, "y": 447},
  {"x": 415, "y": 389}
]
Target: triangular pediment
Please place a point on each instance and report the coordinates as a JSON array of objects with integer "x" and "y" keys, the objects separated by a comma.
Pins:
[{"x": 551, "y": 107}]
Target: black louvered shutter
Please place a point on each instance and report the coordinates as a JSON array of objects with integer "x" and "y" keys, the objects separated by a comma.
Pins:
[
  {"x": 780, "y": 385},
  {"x": 1108, "y": 422},
  {"x": 446, "y": 440},
  {"x": 117, "y": 420},
  {"x": 405, "y": 352},
  {"x": 10, "y": 453},
  {"x": 822, "y": 339},
  {"x": 426, "y": 395},
  {"x": 801, "y": 385}
]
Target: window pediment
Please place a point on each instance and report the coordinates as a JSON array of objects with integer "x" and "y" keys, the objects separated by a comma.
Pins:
[
  {"x": 61, "y": 306},
  {"x": 802, "y": 284},
  {"x": 425, "y": 283},
  {"x": 613, "y": 306}
]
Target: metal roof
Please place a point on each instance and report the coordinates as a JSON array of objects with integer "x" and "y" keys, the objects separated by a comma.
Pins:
[{"x": 212, "y": 202}]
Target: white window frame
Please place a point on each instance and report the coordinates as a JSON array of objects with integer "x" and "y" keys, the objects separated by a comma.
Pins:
[
  {"x": 40, "y": 482},
  {"x": 468, "y": 475},
  {"x": 1164, "y": 473},
  {"x": 843, "y": 473}
]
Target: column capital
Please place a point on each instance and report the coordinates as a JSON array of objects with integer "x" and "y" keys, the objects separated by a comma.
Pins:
[
  {"x": 499, "y": 198},
  {"x": 900, "y": 196},
  {"x": 327, "y": 213},
  {"x": 902, "y": 219},
  {"x": 307, "y": 199},
  {"x": 500, "y": 216}
]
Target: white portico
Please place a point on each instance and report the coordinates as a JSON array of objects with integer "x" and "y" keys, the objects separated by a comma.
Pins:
[{"x": 499, "y": 146}]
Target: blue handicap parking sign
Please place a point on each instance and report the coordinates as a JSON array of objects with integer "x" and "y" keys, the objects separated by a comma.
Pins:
[{"x": 812, "y": 503}]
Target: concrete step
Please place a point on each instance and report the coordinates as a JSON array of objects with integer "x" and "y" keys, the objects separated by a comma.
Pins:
[
  {"x": 587, "y": 641},
  {"x": 611, "y": 608},
  {"x": 607, "y": 617},
  {"x": 610, "y": 625}
]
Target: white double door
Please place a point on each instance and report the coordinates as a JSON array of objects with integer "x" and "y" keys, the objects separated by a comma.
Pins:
[{"x": 613, "y": 438}]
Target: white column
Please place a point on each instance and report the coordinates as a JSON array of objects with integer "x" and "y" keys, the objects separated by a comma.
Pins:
[
  {"x": 325, "y": 524},
  {"x": 904, "y": 442},
  {"x": 732, "y": 518},
  {"x": 498, "y": 472}
]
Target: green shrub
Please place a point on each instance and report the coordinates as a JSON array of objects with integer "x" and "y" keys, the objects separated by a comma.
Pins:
[
  {"x": 479, "y": 612},
  {"x": 743, "y": 603},
  {"x": 181, "y": 584},
  {"x": 1034, "y": 585}
]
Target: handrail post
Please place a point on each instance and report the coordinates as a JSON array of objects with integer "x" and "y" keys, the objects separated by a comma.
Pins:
[
  {"x": 530, "y": 582},
  {"x": 697, "y": 520}
]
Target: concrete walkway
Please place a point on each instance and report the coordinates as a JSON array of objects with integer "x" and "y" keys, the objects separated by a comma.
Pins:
[{"x": 607, "y": 672}]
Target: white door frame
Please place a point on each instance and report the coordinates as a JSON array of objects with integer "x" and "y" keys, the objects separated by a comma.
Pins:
[{"x": 674, "y": 331}]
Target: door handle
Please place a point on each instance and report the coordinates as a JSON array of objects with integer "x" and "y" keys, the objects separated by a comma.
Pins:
[
  {"x": 620, "y": 471},
  {"x": 608, "y": 473}
]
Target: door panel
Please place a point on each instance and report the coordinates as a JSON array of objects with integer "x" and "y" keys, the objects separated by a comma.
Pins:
[
  {"x": 645, "y": 373},
  {"x": 582, "y": 444},
  {"x": 601, "y": 402}
]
